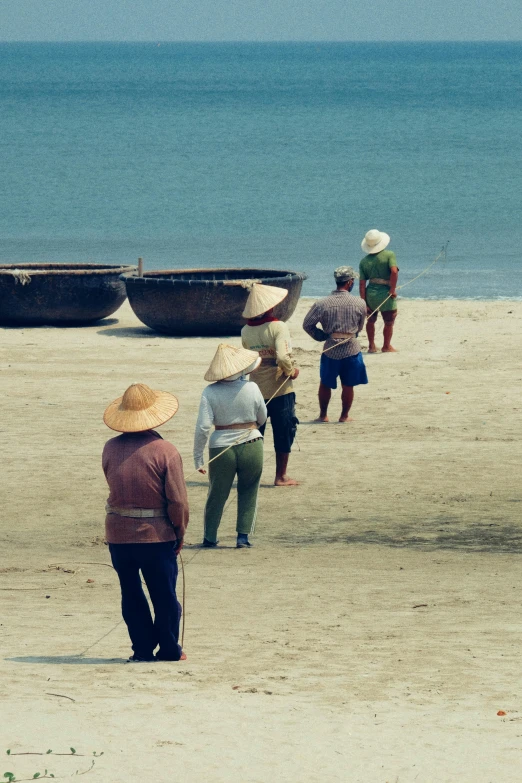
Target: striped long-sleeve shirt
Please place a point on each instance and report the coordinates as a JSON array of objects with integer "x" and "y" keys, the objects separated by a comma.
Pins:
[{"x": 339, "y": 312}]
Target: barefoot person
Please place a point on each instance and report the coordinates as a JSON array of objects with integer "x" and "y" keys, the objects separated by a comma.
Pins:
[
  {"x": 271, "y": 338},
  {"x": 378, "y": 281},
  {"x": 341, "y": 316},
  {"x": 147, "y": 513},
  {"x": 236, "y": 408}
]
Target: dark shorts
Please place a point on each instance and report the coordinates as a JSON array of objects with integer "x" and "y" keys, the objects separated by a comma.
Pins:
[
  {"x": 388, "y": 316},
  {"x": 351, "y": 371},
  {"x": 281, "y": 412}
]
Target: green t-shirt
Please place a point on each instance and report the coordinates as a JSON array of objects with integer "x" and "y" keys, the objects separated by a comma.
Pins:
[{"x": 378, "y": 265}]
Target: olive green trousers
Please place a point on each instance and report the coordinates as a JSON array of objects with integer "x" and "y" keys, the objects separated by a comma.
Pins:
[{"x": 246, "y": 462}]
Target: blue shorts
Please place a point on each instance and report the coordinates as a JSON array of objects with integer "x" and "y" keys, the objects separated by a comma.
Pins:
[{"x": 351, "y": 371}]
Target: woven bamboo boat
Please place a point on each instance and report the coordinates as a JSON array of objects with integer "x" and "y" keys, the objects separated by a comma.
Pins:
[
  {"x": 60, "y": 294},
  {"x": 204, "y": 302}
]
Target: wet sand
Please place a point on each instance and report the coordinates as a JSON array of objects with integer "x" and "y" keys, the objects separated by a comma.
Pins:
[{"x": 372, "y": 634}]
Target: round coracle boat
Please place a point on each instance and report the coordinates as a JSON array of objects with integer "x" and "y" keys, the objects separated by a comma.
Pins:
[
  {"x": 204, "y": 302},
  {"x": 60, "y": 294}
]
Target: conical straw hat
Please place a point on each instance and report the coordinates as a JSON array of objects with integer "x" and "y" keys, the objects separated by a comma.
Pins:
[
  {"x": 263, "y": 298},
  {"x": 228, "y": 361},
  {"x": 140, "y": 409}
]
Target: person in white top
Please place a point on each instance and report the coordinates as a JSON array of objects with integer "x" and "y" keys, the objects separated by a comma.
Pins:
[{"x": 235, "y": 407}]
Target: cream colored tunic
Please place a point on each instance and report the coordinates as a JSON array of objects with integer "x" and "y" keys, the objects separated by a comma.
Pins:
[{"x": 272, "y": 341}]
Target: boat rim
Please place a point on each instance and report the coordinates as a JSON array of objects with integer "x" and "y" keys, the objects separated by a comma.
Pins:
[
  {"x": 70, "y": 269},
  {"x": 165, "y": 276}
]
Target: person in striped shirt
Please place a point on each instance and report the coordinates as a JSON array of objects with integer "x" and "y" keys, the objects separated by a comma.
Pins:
[{"x": 342, "y": 317}]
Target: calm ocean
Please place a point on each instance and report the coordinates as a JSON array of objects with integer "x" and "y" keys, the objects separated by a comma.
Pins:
[{"x": 276, "y": 155}]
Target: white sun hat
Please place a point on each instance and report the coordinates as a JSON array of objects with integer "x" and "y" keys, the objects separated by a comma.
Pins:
[
  {"x": 230, "y": 361},
  {"x": 141, "y": 408},
  {"x": 375, "y": 241},
  {"x": 262, "y": 298}
]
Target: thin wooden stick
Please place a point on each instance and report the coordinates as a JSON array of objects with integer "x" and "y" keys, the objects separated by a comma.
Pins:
[
  {"x": 182, "y": 602},
  {"x": 62, "y": 696}
]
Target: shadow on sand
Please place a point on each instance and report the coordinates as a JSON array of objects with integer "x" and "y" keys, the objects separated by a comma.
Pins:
[
  {"x": 429, "y": 535},
  {"x": 200, "y": 547},
  {"x": 143, "y": 331},
  {"x": 73, "y": 325},
  {"x": 132, "y": 331},
  {"x": 74, "y": 660}
]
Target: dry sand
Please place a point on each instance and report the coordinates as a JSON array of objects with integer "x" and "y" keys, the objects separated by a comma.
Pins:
[{"x": 374, "y": 632}]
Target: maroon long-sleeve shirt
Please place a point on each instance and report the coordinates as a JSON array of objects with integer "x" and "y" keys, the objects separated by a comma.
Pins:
[{"x": 144, "y": 471}]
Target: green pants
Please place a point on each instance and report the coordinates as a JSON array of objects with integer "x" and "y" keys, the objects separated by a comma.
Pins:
[{"x": 246, "y": 461}]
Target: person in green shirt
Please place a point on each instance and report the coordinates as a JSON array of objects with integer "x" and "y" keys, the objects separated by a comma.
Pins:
[{"x": 378, "y": 273}]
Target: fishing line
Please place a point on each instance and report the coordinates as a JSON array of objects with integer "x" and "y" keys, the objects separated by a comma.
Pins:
[
  {"x": 442, "y": 254},
  {"x": 245, "y": 434},
  {"x": 82, "y": 653},
  {"x": 183, "y": 602},
  {"x": 241, "y": 438}
]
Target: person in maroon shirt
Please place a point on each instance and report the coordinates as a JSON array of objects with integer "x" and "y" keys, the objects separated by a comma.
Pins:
[{"x": 147, "y": 514}]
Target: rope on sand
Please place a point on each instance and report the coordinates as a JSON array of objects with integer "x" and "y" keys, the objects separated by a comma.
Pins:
[
  {"x": 241, "y": 438},
  {"x": 183, "y": 601},
  {"x": 22, "y": 279},
  {"x": 82, "y": 653},
  {"x": 28, "y": 589},
  {"x": 109, "y": 565},
  {"x": 105, "y": 565},
  {"x": 442, "y": 254},
  {"x": 59, "y": 587}
]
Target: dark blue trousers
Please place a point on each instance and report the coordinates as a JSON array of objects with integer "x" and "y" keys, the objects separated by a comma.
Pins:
[
  {"x": 281, "y": 411},
  {"x": 158, "y": 564}
]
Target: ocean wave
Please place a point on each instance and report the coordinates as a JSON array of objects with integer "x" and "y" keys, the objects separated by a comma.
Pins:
[{"x": 493, "y": 298}]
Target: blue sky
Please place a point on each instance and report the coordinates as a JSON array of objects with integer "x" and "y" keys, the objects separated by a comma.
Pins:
[{"x": 258, "y": 20}]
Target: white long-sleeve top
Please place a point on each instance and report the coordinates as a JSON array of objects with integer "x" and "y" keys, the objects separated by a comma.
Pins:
[{"x": 227, "y": 402}]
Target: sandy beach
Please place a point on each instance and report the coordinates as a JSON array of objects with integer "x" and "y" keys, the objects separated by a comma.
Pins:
[{"x": 373, "y": 633}]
